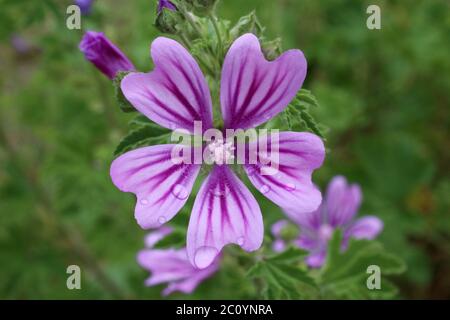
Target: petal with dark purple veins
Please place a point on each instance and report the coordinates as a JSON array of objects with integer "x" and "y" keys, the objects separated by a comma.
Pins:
[
  {"x": 161, "y": 186},
  {"x": 342, "y": 201},
  {"x": 297, "y": 155},
  {"x": 173, "y": 266},
  {"x": 367, "y": 227},
  {"x": 175, "y": 93},
  {"x": 253, "y": 90},
  {"x": 224, "y": 212}
]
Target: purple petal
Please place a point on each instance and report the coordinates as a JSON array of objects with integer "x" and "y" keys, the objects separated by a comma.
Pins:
[
  {"x": 175, "y": 94},
  {"x": 154, "y": 237},
  {"x": 166, "y": 4},
  {"x": 224, "y": 212},
  {"x": 317, "y": 259},
  {"x": 277, "y": 227},
  {"x": 279, "y": 245},
  {"x": 342, "y": 201},
  {"x": 253, "y": 90},
  {"x": 310, "y": 221},
  {"x": 104, "y": 54},
  {"x": 291, "y": 187},
  {"x": 307, "y": 241},
  {"x": 367, "y": 227},
  {"x": 173, "y": 266},
  {"x": 161, "y": 187}
]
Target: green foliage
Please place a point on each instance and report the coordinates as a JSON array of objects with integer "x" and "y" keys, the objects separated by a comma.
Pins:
[
  {"x": 281, "y": 275},
  {"x": 345, "y": 273},
  {"x": 297, "y": 114},
  {"x": 143, "y": 133},
  {"x": 383, "y": 97},
  {"x": 124, "y": 104}
]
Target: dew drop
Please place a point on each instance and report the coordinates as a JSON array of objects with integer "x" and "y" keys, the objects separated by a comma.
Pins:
[
  {"x": 180, "y": 192},
  {"x": 218, "y": 192},
  {"x": 264, "y": 189},
  {"x": 144, "y": 202},
  {"x": 240, "y": 241},
  {"x": 251, "y": 170},
  {"x": 269, "y": 171},
  {"x": 162, "y": 220},
  {"x": 290, "y": 186},
  {"x": 204, "y": 256}
]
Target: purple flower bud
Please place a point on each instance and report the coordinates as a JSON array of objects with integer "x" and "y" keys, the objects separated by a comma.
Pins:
[
  {"x": 166, "y": 4},
  {"x": 104, "y": 54},
  {"x": 85, "y": 6}
]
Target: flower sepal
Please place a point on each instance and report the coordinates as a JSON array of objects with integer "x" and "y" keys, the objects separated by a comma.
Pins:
[{"x": 124, "y": 105}]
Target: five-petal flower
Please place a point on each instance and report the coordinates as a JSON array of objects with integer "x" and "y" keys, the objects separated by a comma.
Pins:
[{"x": 175, "y": 95}]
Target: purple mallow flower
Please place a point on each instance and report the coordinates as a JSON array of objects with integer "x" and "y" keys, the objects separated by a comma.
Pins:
[
  {"x": 338, "y": 211},
  {"x": 104, "y": 54},
  {"x": 253, "y": 90},
  {"x": 171, "y": 265},
  {"x": 166, "y": 4},
  {"x": 85, "y": 6}
]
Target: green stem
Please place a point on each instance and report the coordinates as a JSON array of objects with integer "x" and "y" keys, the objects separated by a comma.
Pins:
[{"x": 213, "y": 19}]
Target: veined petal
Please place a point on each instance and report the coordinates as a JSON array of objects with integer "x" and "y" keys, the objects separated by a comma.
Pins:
[
  {"x": 161, "y": 186},
  {"x": 367, "y": 227},
  {"x": 342, "y": 201},
  {"x": 172, "y": 266},
  {"x": 289, "y": 186},
  {"x": 224, "y": 212},
  {"x": 253, "y": 90},
  {"x": 175, "y": 93}
]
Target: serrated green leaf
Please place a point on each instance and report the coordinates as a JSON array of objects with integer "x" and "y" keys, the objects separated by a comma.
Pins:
[
  {"x": 345, "y": 273},
  {"x": 142, "y": 136},
  {"x": 124, "y": 105}
]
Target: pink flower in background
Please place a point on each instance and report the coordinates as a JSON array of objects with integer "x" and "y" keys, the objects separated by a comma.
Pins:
[
  {"x": 171, "y": 265},
  {"x": 104, "y": 54},
  {"x": 253, "y": 90},
  {"x": 338, "y": 211}
]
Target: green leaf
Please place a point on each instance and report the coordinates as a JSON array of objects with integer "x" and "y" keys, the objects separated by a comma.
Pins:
[
  {"x": 124, "y": 105},
  {"x": 282, "y": 276},
  {"x": 345, "y": 273},
  {"x": 144, "y": 135},
  {"x": 298, "y": 117}
]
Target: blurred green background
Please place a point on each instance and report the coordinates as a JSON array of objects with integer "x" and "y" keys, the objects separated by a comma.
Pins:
[{"x": 384, "y": 96}]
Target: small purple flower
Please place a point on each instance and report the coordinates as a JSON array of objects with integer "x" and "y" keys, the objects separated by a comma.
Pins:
[
  {"x": 104, "y": 54},
  {"x": 171, "y": 265},
  {"x": 85, "y": 6},
  {"x": 175, "y": 95},
  {"x": 338, "y": 211},
  {"x": 166, "y": 4}
]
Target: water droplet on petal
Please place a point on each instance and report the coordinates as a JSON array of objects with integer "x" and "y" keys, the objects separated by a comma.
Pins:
[
  {"x": 269, "y": 171},
  {"x": 180, "y": 192},
  {"x": 219, "y": 192},
  {"x": 240, "y": 241},
  {"x": 162, "y": 220},
  {"x": 264, "y": 189},
  {"x": 204, "y": 256},
  {"x": 144, "y": 202},
  {"x": 251, "y": 170},
  {"x": 290, "y": 186}
]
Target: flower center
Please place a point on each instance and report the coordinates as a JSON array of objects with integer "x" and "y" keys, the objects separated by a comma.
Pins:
[
  {"x": 325, "y": 232},
  {"x": 219, "y": 152}
]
